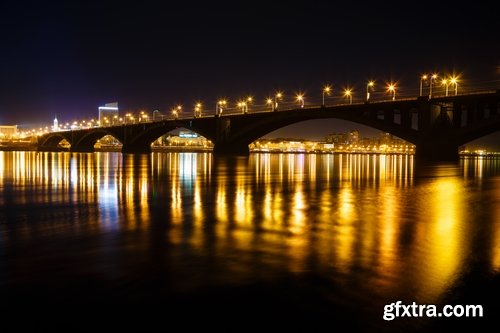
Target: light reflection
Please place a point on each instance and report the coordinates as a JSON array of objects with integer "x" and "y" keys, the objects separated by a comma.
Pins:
[
  {"x": 441, "y": 234},
  {"x": 343, "y": 213},
  {"x": 389, "y": 231},
  {"x": 495, "y": 243}
]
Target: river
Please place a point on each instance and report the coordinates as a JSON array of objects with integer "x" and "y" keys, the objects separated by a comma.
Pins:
[{"x": 299, "y": 241}]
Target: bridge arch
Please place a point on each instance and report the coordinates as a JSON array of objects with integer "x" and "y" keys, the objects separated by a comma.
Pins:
[
  {"x": 87, "y": 140},
  {"x": 247, "y": 131},
  {"x": 141, "y": 140},
  {"x": 52, "y": 141},
  {"x": 479, "y": 130}
]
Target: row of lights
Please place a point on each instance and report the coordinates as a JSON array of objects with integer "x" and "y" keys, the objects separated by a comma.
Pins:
[
  {"x": 326, "y": 91},
  {"x": 348, "y": 93},
  {"x": 446, "y": 82},
  {"x": 243, "y": 104}
]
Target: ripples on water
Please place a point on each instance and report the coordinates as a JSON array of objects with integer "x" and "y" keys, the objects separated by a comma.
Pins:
[{"x": 321, "y": 238}]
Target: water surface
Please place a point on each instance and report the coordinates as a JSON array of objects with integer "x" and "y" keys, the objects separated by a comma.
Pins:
[{"x": 298, "y": 240}]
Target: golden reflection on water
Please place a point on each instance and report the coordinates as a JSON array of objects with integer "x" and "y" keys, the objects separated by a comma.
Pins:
[
  {"x": 441, "y": 233},
  {"x": 402, "y": 227},
  {"x": 495, "y": 249}
]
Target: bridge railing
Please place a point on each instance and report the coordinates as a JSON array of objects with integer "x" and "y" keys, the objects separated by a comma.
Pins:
[{"x": 439, "y": 91}]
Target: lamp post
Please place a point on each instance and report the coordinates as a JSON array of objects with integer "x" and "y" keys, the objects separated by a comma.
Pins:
[
  {"x": 392, "y": 89},
  {"x": 197, "y": 110},
  {"x": 247, "y": 103},
  {"x": 219, "y": 107},
  {"x": 242, "y": 105},
  {"x": 348, "y": 94},
  {"x": 277, "y": 97},
  {"x": 433, "y": 77},
  {"x": 369, "y": 85},
  {"x": 269, "y": 101},
  {"x": 300, "y": 99},
  {"x": 326, "y": 90},
  {"x": 422, "y": 78},
  {"x": 454, "y": 81},
  {"x": 445, "y": 83}
]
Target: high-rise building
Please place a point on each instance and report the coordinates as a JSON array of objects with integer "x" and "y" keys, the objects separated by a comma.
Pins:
[{"x": 108, "y": 114}]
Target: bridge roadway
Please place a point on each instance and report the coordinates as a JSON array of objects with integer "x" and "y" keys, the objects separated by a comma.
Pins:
[{"x": 437, "y": 126}]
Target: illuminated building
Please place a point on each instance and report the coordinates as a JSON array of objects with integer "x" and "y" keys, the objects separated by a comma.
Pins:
[
  {"x": 55, "y": 127},
  {"x": 185, "y": 139},
  {"x": 8, "y": 131},
  {"x": 108, "y": 113}
]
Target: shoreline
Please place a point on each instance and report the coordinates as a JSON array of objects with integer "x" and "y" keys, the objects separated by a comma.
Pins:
[{"x": 210, "y": 150}]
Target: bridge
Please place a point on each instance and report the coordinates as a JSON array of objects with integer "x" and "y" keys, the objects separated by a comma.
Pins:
[{"x": 437, "y": 125}]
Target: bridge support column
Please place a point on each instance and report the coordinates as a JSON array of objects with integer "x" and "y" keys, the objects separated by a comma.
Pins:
[
  {"x": 225, "y": 143},
  {"x": 437, "y": 150},
  {"x": 136, "y": 149}
]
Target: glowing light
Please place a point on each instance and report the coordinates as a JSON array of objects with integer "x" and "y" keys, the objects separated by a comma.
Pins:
[
  {"x": 369, "y": 85},
  {"x": 391, "y": 88},
  {"x": 300, "y": 99},
  {"x": 348, "y": 94},
  {"x": 326, "y": 90}
]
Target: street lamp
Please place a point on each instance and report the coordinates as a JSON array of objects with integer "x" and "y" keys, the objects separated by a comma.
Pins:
[
  {"x": 392, "y": 89},
  {"x": 197, "y": 110},
  {"x": 269, "y": 101},
  {"x": 348, "y": 94},
  {"x": 445, "y": 83},
  {"x": 369, "y": 85},
  {"x": 242, "y": 106},
  {"x": 454, "y": 80},
  {"x": 433, "y": 77},
  {"x": 300, "y": 99},
  {"x": 277, "y": 97},
  {"x": 219, "y": 107},
  {"x": 247, "y": 103},
  {"x": 176, "y": 111},
  {"x": 422, "y": 78},
  {"x": 326, "y": 90}
]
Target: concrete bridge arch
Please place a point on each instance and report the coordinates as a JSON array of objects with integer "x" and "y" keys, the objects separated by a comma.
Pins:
[{"x": 437, "y": 126}]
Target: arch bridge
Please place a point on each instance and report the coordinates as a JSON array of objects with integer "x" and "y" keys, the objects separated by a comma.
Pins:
[{"x": 437, "y": 126}]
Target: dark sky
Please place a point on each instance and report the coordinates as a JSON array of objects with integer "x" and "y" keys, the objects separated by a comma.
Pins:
[{"x": 70, "y": 57}]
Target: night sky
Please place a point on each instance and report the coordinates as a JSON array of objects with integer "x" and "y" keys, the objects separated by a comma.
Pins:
[{"x": 69, "y": 58}]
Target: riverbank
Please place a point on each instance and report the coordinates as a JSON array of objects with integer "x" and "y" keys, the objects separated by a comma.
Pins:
[{"x": 186, "y": 149}]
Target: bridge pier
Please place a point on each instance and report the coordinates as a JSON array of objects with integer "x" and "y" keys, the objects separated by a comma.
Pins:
[
  {"x": 437, "y": 150},
  {"x": 136, "y": 149}
]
